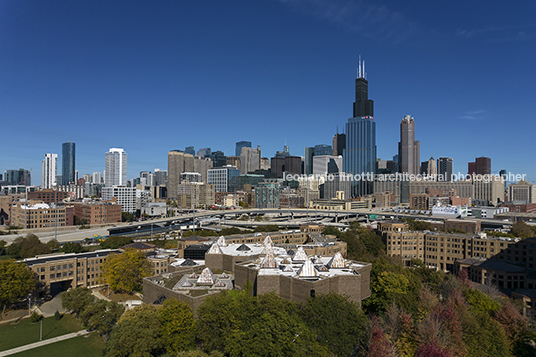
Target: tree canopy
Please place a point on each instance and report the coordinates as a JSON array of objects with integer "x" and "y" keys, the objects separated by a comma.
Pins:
[
  {"x": 125, "y": 271},
  {"x": 27, "y": 247},
  {"x": 16, "y": 281}
]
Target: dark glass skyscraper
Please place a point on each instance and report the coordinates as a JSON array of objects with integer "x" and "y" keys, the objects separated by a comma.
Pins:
[
  {"x": 359, "y": 156},
  {"x": 68, "y": 163},
  {"x": 240, "y": 145}
]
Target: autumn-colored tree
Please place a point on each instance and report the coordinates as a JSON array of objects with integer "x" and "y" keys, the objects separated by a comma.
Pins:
[
  {"x": 16, "y": 281},
  {"x": 515, "y": 325},
  {"x": 431, "y": 349},
  {"x": 126, "y": 270},
  {"x": 178, "y": 326},
  {"x": 378, "y": 344}
]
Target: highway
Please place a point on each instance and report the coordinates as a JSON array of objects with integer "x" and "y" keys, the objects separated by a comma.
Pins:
[{"x": 280, "y": 217}]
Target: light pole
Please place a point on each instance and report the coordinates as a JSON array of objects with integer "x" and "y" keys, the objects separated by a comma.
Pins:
[
  {"x": 56, "y": 208},
  {"x": 41, "y": 331}
]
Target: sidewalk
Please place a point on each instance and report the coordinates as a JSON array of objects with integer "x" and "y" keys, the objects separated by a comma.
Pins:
[{"x": 43, "y": 343}]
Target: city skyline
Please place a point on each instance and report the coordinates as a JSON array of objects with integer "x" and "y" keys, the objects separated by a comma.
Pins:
[{"x": 166, "y": 76}]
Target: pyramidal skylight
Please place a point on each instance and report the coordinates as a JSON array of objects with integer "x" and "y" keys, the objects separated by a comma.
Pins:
[
  {"x": 214, "y": 249},
  {"x": 337, "y": 261},
  {"x": 307, "y": 270},
  {"x": 300, "y": 255},
  {"x": 206, "y": 277}
]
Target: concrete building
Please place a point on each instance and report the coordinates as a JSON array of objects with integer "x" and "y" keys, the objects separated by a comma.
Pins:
[
  {"x": 439, "y": 250},
  {"x": 96, "y": 177},
  {"x": 233, "y": 161},
  {"x": 287, "y": 164},
  {"x": 408, "y": 149},
  {"x": 483, "y": 165},
  {"x": 297, "y": 277},
  {"x": 339, "y": 144},
  {"x": 49, "y": 171},
  {"x": 265, "y": 163},
  {"x": 202, "y": 165},
  {"x": 250, "y": 159},
  {"x": 190, "y": 177},
  {"x": 326, "y": 164},
  {"x": 61, "y": 271},
  {"x": 444, "y": 169},
  {"x": 116, "y": 168},
  {"x": 195, "y": 194},
  {"x": 339, "y": 182},
  {"x": 178, "y": 162},
  {"x": 124, "y": 196},
  {"x": 522, "y": 192}
]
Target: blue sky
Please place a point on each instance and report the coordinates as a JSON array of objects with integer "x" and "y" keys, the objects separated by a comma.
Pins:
[{"x": 152, "y": 76}]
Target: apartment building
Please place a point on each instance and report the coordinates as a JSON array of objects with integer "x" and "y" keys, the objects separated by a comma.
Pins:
[
  {"x": 439, "y": 249},
  {"x": 61, "y": 271}
]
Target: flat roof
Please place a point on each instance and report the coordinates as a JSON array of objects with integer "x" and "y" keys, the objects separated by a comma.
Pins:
[{"x": 52, "y": 258}]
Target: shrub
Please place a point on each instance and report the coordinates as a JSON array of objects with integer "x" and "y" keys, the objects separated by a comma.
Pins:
[{"x": 36, "y": 317}]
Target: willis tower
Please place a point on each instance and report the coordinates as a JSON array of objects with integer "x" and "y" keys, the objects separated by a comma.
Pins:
[{"x": 359, "y": 156}]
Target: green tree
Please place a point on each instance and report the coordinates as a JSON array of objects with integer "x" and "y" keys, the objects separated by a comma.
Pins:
[
  {"x": 178, "y": 326},
  {"x": 77, "y": 300},
  {"x": 3, "y": 245},
  {"x": 523, "y": 230},
  {"x": 26, "y": 247},
  {"x": 115, "y": 242},
  {"x": 137, "y": 334},
  {"x": 241, "y": 325},
  {"x": 336, "y": 322},
  {"x": 70, "y": 247},
  {"x": 480, "y": 301},
  {"x": 102, "y": 316},
  {"x": 127, "y": 217},
  {"x": 125, "y": 271},
  {"x": 386, "y": 288},
  {"x": 16, "y": 281},
  {"x": 267, "y": 228}
]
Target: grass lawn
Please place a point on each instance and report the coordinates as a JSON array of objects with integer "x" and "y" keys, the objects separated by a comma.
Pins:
[
  {"x": 24, "y": 332},
  {"x": 119, "y": 296},
  {"x": 90, "y": 345}
]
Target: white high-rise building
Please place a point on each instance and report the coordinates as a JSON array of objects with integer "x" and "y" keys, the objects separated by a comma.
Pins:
[
  {"x": 116, "y": 168},
  {"x": 97, "y": 177},
  {"x": 49, "y": 170}
]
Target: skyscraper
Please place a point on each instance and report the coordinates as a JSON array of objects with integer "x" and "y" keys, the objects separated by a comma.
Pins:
[
  {"x": 444, "y": 166},
  {"x": 432, "y": 167},
  {"x": 178, "y": 162},
  {"x": 359, "y": 156},
  {"x": 483, "y": 165},
  {"x": 240, "y": 145},
  {"x": 68, "y": 162},
  {"x": 49, "y": 170},
  {"x": 309, "y": 153},
  {"x": 339, "y": 143},
  {"x": 408, "y": 149},
  {"x": 116, "y": 168}
]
